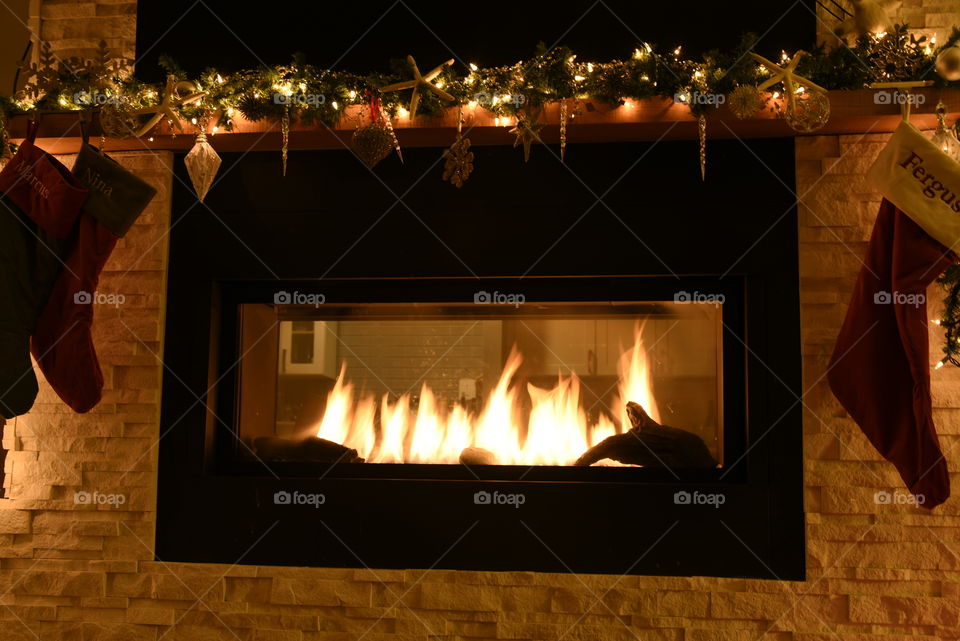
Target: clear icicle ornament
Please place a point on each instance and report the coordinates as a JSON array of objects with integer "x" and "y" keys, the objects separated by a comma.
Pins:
[
  {"x": 944, "y": 137},
  {"x": 563, "y": 130},
  {"x": 202, "y": 163},
  {"x": 702, "y": 130},
  {"x": 285, "y": 132}
]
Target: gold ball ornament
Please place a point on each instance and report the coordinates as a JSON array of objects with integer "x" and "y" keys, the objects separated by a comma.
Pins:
[
  {"x": 807, "y": 112},
  {"x": 744, "y": 101},
  {"x": 372, "y": 143},
  {"x": 948, "y": 63}
]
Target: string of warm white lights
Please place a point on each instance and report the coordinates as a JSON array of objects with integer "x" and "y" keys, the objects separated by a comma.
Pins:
[{"x": 313, "y": 95}]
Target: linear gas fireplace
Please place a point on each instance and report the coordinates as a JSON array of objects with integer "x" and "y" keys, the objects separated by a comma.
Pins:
[
  {"x": 534, "y": 389},
  {"x": 490, "y": 384}
]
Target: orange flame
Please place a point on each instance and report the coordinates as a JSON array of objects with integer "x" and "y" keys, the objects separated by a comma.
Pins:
[{"x": 556, "y": 431}]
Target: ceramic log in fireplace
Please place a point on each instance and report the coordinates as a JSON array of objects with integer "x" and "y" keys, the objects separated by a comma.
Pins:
[{"x": 384, "y": 371}]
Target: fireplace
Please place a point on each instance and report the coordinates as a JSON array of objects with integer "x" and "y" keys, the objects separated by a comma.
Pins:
[
  {"x": 407, "y": 373},
  {"x": 453, "y": 390}
]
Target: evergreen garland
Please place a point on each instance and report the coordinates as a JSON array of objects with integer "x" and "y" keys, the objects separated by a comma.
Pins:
[
  {"x": 950, "y": 281},
  {"x": 314, "y": 95}
]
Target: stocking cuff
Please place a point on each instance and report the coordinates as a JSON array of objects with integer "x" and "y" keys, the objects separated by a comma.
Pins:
[
  {"x": 117, "y": 197},
  {"x": 922, "y": 181},
  {"x": 43, "y": 188}
]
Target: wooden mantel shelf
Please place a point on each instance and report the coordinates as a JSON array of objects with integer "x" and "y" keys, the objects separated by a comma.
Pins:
[{"x": 852, "y": 112}]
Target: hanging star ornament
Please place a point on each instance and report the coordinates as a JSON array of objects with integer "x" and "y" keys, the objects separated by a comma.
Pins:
[
  {"x": 172, "y": 98},
  {"x": 420, "y": 81},
  {"x": 527, "y": 131}
]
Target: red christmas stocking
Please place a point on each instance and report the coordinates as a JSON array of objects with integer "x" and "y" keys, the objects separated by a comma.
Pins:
[
  {"x": 62, "y": 343},
  {"x": 39, "y": 202},
  {"x": 880, "y": 368}
]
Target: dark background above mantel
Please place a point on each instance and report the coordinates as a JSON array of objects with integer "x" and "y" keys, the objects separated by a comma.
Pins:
[{"x": 364, "y": 36}]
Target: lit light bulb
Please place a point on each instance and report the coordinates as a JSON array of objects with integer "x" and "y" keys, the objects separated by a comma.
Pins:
[
  {"x": 193, "y": 120},
  {"x": 473, "y": 67},
  {"x": 645, "y": 78},
  {"x": 229, "y": 111},
  {"x": 638, "y": 54},
  {"x": 352, "y": 94},
  {"x": 937, "y": 322},
  {"x": 698, "y": 74},
  {"x": 438, "y": 84},
  {"x": 402, "y": 112},
  {"x": 472, "y": 103},
  {"x": 938, "y": 365},
  {"x": 335, "y": 105},
  {"x": 579, "y": 78},
  {"x": 676, "y": 51},
  {"x": 214, "y": 131},
  {"x": 150, "y": 139},
  {"x": 589, "y": 67},
  {"x": 776, "y": 94},
  {"x": 572, "y": 58},
  {"x": 219, "y": 79}
]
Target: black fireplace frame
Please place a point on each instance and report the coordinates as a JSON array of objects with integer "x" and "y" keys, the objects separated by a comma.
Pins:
[{"x": 422, "y": 516}]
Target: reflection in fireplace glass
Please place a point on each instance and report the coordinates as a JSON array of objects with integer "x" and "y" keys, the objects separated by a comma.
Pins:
[{"x": 625, "y": 384}]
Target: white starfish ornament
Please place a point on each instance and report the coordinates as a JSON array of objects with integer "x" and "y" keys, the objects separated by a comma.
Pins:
[{"x": 420, "y": 80}]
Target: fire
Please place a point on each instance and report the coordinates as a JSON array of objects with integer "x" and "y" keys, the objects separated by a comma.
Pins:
[{"x": 554, "y": 431}]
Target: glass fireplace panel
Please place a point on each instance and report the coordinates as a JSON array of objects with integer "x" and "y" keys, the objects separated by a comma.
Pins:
[{"x": 542, "y": 384}]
